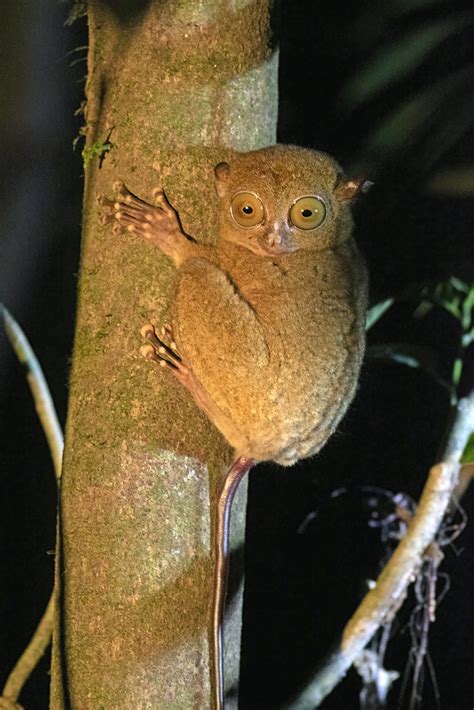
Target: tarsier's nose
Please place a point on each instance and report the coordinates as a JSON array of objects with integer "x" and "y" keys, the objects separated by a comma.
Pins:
[
  {"x": 278, "y": 239},
  {"x": 275, "y": 239}
]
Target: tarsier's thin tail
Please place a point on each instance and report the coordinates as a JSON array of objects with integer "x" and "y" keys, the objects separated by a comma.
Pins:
[{"x": 234, "y": 475}]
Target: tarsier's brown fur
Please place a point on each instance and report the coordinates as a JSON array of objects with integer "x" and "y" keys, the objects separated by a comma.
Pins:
[
  {"x": 267, "y": 327},
  {"x": 276, "y": 341}
]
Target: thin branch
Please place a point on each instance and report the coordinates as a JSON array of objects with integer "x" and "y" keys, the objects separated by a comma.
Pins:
[
  {"x": 383, "y": 601},
  {"x": 49, "y": 421},
  {"x": 39, "y": 389},
  {"x": 31, "y": 655},
  {"x": 6, "y": 704}
]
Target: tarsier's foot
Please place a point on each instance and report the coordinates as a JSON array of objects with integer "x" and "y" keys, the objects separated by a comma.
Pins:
[
  {"x": 162, "y": 349},
  {"x": 158, "y": 223}
]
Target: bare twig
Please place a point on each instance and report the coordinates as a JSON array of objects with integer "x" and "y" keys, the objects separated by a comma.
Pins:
[
  {"x": 49, "y": 421},
  {"x": 31, "y": 655},
  {"x": 39, "y": 389},
  {"x": 383, "y": 601},
  {"x": 6, "y": 704}
]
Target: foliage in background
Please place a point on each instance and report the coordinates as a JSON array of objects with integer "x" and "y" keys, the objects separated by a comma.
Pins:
[
  {"x": 414, "y": 86},
  {"x": 407, "y": 90}
]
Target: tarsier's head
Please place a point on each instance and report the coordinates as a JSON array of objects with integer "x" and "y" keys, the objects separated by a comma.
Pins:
[{"x": 282, "y": 199}]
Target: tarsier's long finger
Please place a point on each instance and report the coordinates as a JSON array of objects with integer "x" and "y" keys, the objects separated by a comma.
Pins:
[
  {"x": 157, "y": 223},
  {"x": 139, "y": 210},
  {"x": 162, "y": 349},
  {"x": 122, "y": 193},
  {"x": 161, "y": 200},
  {"x": 168, "y": 335},
  {"x": 115, "y": 210},
  {"x": 127, "y": 206},
  {"x": 148, "y": 331},
  {"x": 132, "y": 224},
  {"x": 149, "y": 352},
  {"x": 124, "y": 216},
  {"x": 108, "y": 213},
  {"x": 126, "y": 200},
  {"x": 132, "y": 211}
]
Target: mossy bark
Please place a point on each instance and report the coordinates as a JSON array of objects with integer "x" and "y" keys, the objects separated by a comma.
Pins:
[{"x": 175, "y": 87}]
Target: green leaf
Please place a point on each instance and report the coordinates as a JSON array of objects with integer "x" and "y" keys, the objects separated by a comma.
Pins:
[
  {"x": 468, "y": 453},
  {"x": 405, "y": 354},
  {"x": 467, "y": 310},
  {"x": 376, "y": 312},
  {"x": 467, "y": 338},
  {"x": 455, "y": 296},
  {"x": 415, "y": 356},
  {"x": 400, "y": 58},
  {"x": 410, "y": 118},
  {"x": 423, "y": 309},
  {"x": 457, "y": 371},
  {"x": 459, "y": 284},
  {"x": 99, "y": 148},
  {"x": 453, "y": 182}
]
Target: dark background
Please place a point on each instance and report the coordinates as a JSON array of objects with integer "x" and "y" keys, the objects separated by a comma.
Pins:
[{"x": 401, "y": 128}]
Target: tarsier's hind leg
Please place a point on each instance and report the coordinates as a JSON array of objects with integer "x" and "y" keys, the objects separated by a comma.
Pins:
[
  {"x": 218, "y": 329},
  {"x": 163, "y": 350},
  {"x": 221, "y": 336}
]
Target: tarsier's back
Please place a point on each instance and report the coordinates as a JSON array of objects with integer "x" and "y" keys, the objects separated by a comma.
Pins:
[{"x": 273, "y": 320}]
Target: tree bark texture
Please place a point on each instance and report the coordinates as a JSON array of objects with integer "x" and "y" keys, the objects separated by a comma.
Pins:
[{"x": 175, "y": 86}]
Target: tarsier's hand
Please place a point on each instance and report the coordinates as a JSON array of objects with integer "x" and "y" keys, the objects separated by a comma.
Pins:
[{"x": 158, "y": 223}]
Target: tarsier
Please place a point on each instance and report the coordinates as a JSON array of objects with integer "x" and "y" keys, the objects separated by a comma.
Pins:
[{"x": 267, "y": 328}]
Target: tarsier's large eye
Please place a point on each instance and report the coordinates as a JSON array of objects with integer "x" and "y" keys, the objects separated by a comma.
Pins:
[
  {"x": 247, "y": 209},
  {"x": 308, "y": 212}
]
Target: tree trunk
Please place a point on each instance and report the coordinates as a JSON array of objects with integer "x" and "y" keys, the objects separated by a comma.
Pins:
[{"x": 175, "y": 87}]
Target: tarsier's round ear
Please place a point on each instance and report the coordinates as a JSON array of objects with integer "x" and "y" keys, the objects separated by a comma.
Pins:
[
  {"x": 221, "y": 172},
  {"x": 347, "y": 190}
]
